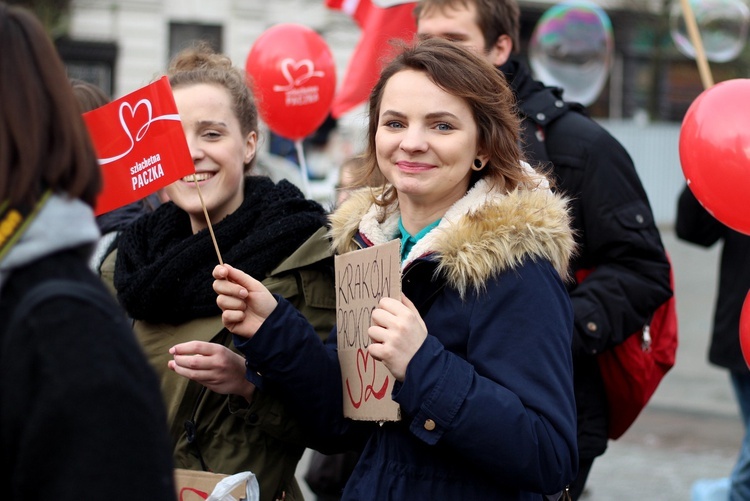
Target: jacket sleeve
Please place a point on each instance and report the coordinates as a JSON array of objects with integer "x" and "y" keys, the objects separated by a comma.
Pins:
[
  {"x": 621, "y": 243},
  {"x": 694, "y": 224},
  {"x": 508, "y": 407},
  {"x": 310, "y": 292},
  {"x": 288, "y": 359}
]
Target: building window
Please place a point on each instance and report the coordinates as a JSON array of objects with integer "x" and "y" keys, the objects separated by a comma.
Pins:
[{"x": 183, "y": 35}]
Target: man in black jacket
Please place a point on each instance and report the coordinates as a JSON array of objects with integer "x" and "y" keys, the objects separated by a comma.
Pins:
[
  {"x": 694, "y": 224},
  {"x": 616, "y": 233}
]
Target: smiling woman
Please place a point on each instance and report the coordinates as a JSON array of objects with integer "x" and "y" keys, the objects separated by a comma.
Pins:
[
  {"x": 221, "y": 150},
  {"x": 484, "y": 382},
  {"x": 161, "y": 272},
  {"x": 426, "y": 147}
]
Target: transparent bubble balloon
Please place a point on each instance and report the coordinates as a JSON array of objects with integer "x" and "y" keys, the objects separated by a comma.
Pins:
[
  {"x": 571, "y": 47},
  {"x": 723, "y": 26}
]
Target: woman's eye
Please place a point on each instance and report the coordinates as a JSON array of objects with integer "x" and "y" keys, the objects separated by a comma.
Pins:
[
  {"x": 394, "y": 125},
  {"x": 444, "y": 126},
  {"x": 211, "y": 135}
]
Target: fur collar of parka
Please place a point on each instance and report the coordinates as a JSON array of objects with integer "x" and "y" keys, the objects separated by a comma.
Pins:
[{"x": 483, "y": 234}]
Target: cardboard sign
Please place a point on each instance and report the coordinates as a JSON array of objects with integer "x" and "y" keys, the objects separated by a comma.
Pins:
[
  {"x": 140, "y": 145},
  {"x": 363, "y": 277}
]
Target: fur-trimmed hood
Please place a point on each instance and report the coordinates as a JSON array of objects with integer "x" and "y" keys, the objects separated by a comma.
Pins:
[{"x": 482, "y": 234}]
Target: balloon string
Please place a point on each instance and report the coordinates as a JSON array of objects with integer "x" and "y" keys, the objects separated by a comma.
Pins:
[
  {"x": 303, "y": 166},
  {"x": 695, "y": 39},
  {"x": 208, "y": 220}
]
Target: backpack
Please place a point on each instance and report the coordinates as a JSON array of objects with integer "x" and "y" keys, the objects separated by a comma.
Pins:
[{"x": 632, "y": 370}]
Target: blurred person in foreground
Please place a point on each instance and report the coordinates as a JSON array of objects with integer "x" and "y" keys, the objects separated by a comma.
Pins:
[
  {"x": 612, "y": 219},
  {"x": 479, "y": 344},
  {"x": 80, "y": 411}
]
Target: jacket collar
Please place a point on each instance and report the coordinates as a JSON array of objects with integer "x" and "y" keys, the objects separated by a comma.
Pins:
[{"x": 483, "y": 234}]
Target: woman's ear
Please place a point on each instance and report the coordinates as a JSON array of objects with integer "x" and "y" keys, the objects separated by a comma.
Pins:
[
  {"x": 483, "y": 157},
  {"x": 251, "y": 146}
]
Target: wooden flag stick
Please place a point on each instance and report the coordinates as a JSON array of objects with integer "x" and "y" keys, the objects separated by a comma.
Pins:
[
  {"x": 208, "y": 220},
  {"x": 303, "y": 166},
  {"x": 695, "y": 39}
]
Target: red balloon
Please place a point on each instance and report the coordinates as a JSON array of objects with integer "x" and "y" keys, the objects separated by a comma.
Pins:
[
  {"x": 294, "y": 78},
  {"x": 715, "y": 152},
  {"x": 745, "y": 329}
]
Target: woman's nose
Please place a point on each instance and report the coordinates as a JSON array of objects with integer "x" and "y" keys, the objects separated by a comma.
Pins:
[
  {"x": 414, "y": 139},
  {"x": 196, "y": 152}
]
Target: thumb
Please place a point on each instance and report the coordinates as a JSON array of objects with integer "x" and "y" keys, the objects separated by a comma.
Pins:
[{"x": 239, "y": 277}]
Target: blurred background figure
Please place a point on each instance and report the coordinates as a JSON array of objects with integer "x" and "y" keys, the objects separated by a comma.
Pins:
[
  {"x": 88, "y": 95},
  {"x": 80, "y": 411},
  {"x": 695, "y": 225},
  {"x": 612, "y": 218},
  {"x": 353, "y": 175}
]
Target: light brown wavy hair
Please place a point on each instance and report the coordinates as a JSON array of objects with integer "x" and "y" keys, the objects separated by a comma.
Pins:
[{"x": 200, "y": 64}]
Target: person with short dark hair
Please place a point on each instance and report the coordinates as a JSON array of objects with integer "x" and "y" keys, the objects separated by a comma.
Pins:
[{"x": 88, "y": 95}]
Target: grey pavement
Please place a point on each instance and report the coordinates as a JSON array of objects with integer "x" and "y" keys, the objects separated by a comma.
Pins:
[{"x": 690, "y": 430}]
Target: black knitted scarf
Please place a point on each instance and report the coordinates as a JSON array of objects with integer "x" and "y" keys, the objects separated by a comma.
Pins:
[{"x": 163, "y": 270}]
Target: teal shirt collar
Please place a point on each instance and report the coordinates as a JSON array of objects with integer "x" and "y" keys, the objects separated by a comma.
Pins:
[{"x": 408, "y": 241}]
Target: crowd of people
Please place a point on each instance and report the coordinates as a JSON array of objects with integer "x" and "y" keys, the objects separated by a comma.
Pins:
[{"x": 151, "y": 355}]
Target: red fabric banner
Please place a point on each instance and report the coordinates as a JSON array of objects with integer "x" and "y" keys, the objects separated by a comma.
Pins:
[
  {"x": 379, "y": 25},
  {"x": 140, "y": 145}
]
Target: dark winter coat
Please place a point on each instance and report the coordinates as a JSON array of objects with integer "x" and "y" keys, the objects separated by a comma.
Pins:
[
  {"x": 694, "y": 224},
  {"x": 487, "y": 405},
  {"x": 81, "y": 416},
  {"x": 615, "y": 232}
]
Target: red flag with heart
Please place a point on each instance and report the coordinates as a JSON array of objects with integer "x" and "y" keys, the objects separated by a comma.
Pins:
[
  {"x": 380, "y": 21},
  {"x": 140, "y": 145}
]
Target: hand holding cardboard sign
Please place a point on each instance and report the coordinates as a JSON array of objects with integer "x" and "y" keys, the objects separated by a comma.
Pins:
[
  {"x": 214, "y": 366},
  {"x": 396, "y": 333},
  {"x": 245, "y": 302}
]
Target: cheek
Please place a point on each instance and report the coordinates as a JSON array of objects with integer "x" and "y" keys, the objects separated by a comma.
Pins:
[
  {"x": 382, "y": 159},
  {"x": 171, "y": 190},
  {"x": 386, "y": 144}
]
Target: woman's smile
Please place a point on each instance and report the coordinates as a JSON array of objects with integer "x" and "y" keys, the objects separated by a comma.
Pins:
[{"x": 406, "y": 166}]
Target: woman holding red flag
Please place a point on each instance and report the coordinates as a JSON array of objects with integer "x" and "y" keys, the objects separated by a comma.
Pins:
[{"x": 219, "y": 421}]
